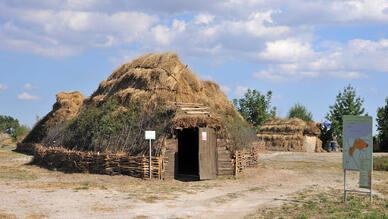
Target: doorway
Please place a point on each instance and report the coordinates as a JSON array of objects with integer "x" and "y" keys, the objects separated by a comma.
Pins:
[{"x": 188, "y": 148}]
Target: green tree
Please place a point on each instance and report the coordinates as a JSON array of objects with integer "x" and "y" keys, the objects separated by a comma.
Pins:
[
  {"x": 255, "y": 107},
  {"x": 300, "y": 111},
  {"x": 347, "y": 103},
  {"x": 8, "y": 124},
  {"x": 382, "y": 126},
  {"x": 12, "y": 127}
]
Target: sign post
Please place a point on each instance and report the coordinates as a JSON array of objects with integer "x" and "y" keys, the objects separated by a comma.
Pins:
[
  {"x": 150, "y": 135},
  {"x": 357, "y": 153}
]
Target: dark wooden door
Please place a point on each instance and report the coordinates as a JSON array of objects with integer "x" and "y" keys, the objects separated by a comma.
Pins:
[{"x": 207, "y": 153}]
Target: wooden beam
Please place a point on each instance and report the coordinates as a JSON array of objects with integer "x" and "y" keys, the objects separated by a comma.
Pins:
[
  {"x": 193, "y": 108},
  {"x": 196, "y": 112}
]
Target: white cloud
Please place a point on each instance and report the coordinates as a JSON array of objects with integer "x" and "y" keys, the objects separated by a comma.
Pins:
[
  {"x": 269, "y": 75},
  {"x": 3, "y": 87},
  {"x": 27, "y": 96},
  {"x": 374, "y": 91},
  {"x": 206, "y": 77},
  {"x": 225, "y": 89},
  {"x": 203, "y": 18},
  {"x": 348, "y": 75},
  {"x": 286, "y": 50},
  {"x": 278, "y": 34},
  {"x": 28, "y": 86},
  {"x": 240, "y": 90}
]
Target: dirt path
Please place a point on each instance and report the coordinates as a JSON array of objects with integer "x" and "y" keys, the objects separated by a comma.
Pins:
[{"x": 30, "y": 191}]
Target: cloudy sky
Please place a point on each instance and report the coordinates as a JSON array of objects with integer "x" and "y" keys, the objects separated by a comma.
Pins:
[{"x": 304, "y": 51}]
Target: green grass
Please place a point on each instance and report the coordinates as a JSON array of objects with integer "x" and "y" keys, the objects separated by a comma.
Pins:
[
  {"x": 15, "y": 173},
  {"x": 380, "y": 163},
  {"x": 84, "y": 186},
  {"x": 327, "y": 205}
]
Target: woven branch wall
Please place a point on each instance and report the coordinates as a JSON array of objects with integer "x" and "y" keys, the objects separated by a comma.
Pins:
[{"x": 91, "y": 162}]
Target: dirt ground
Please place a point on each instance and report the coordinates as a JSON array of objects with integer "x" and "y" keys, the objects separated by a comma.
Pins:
[{"x": 28, "y": 191}]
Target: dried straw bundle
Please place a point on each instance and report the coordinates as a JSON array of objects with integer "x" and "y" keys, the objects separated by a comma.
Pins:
[{"x": 286, "y": 134}]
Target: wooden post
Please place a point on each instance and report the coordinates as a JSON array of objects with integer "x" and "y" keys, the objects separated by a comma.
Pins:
[{"x": 236, "y": 161}]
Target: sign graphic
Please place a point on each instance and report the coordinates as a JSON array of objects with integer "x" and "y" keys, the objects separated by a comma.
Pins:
[{"x": 358, "y": 147}]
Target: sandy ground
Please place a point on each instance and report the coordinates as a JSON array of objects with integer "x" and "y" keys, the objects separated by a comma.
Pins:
[{"x": 28, "y": 191}]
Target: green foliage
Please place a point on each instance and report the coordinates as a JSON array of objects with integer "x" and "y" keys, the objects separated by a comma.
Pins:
[
  {"x": 382, "y": 126},
  {"x": 240, "y": 133},
  {"x": 8, "y": 124},
  {"x": 380, "y": 163},
  {"x": 19, "y": 131},
  {"x": 112, "y": 127},
  {"x": 346, "y": 104},
  {"x": 12, "y": 127},
  {"x": 300, "y": 111},
  {"x": 255, "y": 108}
]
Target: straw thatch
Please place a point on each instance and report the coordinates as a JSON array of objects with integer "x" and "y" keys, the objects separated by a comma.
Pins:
[
  {"x": 287, "y": 134},
  {"x": 158, "y": 82},
  {"x": 66, "y": 108},
  {"x": 164, "y": 76}
]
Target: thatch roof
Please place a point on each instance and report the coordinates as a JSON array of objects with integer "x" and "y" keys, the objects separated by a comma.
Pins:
[
  {"x": 286, "y": 134},
  {"x": 288, "y": 127},
  {"x": 151, "y": 79},
  {"x": 164, "y": 76}
]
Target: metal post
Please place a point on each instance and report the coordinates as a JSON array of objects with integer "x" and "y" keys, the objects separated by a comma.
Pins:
[
  {"x": 345, "y": 185},
  {"x": 371, "y": 182},
  {"x": 150, "y": 160}
]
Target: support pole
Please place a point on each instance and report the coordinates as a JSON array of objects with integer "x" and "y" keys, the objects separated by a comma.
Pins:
[
  {"x": 150, "y": 160},
  {"x": 345, "y": 185},
  {"x": 371, "y": 182}
]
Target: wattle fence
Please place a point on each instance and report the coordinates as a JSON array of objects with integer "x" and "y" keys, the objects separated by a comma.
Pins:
[{"x": 91, "y": 162}]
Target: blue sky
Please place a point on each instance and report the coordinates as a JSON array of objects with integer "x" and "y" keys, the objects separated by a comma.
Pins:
[{"x": 304, "y": 51}]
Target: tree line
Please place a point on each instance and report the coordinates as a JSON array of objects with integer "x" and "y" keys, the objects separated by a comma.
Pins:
[
  {"x": 12, "y": 127},
  {"x": 256, "y": 109}
]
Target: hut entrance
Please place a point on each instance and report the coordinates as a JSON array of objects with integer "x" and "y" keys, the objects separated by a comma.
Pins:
[
  {"x": 197, "y": 152},
  {"x": 188, "y": 152}
]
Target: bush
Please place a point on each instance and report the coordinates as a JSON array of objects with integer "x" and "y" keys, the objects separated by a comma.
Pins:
[
  {"x": 240, "y": 133},
  {"x": 382, "y": 126},
  {"x": 380, "y": 163},
  {"x": 255, "y": 107},
  {"x": 300, "y": 111},
  {"x": 113, "y": 127},
  {"x": 11, "y": 126}
]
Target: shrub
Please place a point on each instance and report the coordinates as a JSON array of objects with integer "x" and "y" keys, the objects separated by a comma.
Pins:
[
  {"x": 380, "y": 163},
  {"x": 113, "y": 127},
  {"x": 240, "y": 133}
]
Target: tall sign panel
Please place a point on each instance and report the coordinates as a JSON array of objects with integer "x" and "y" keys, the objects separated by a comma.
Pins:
[{"x": 358, "y": 150}]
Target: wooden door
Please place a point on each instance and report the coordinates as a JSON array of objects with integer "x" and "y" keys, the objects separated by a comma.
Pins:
[{"x": 207, "y": 153}]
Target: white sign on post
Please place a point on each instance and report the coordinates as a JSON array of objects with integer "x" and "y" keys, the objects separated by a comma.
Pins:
[{"x": 150, "y": 135}]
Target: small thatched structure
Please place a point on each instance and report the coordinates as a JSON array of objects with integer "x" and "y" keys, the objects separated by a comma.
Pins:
[
  {"x": 153, "y": 92},
  {"x": 66, "y": 108},
  {"x": 290, "y": 135}
]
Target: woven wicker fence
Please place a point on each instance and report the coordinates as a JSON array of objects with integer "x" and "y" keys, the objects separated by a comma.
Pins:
[{"x": 91, "y": 162}]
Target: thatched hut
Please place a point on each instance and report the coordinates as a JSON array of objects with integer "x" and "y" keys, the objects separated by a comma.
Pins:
[
  {"x": 290, "y": 135},
  {"x": 153, "y": 92}
]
